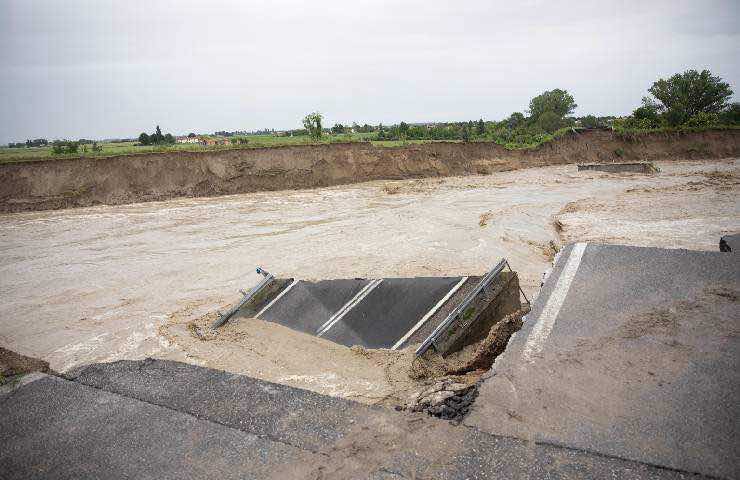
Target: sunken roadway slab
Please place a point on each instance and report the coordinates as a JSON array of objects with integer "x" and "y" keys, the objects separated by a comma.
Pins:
[
  {"x": 630, "y": 352},
  {"x": 390, "y": 311}
]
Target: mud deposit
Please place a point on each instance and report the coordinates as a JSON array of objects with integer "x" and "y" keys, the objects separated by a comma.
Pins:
[{"x": 126, "y": 282}]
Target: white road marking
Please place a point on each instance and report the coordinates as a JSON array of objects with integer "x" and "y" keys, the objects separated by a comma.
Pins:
[
  {"x": 348, "y": 306},
  {"x": 545, "y": 323},
  {"x": 286, "y": 290},
  {"x": 429, "y": 314}
]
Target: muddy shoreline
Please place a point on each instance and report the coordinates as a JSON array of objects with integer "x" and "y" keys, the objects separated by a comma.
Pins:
[{"x": 70, "y": 183}]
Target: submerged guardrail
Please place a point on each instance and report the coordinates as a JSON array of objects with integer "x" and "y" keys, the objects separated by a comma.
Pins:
[
  {"x": 458, "y": 315},
  {"x": 247, "y": 296}
]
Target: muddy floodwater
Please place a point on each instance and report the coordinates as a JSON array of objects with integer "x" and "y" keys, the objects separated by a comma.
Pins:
[{"x": 97, "y": 284}]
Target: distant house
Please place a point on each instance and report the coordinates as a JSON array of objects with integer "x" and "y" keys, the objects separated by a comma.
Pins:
[{"x": 187, "y": 140}]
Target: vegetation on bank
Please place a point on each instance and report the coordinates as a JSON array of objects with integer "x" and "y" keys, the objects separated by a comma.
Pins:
[{"x": 686, "y": 102}]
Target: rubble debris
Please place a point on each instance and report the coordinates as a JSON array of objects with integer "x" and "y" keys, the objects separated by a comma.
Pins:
[
  {"x": 730, "y": 243},
  {"x": 447, "y": 399}
]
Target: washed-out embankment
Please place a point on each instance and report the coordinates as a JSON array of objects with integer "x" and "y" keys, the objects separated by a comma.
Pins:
[{"x": 79, "y": 182}]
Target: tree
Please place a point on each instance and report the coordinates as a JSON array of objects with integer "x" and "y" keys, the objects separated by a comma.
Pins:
[
  {"x": 558, "y": 101},
  {"x": 481, "y": 128},
  {"x": 549, "y": 121},
  {"x": 403, "y": 130},
  {"x": 465, "y": 133},
  {"x": 686, "y": 94},
  {"x": 169, "y": 139},
  {"x": 590, "y": 121},
  {"x": 731, "y": 114},
  {"x": 312, "y": 123},
  {"x": 191, "y": 135},
  {"x": 337, "y": 128},
  {"x": 516, "y": 119},
  {"x": 157, "y": 137},
  {"x": 144, "y": 139},
  {"x": 649, "y": 110}
]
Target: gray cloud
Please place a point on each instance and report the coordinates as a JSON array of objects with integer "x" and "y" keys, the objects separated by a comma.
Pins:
[{"x": 106, "y": 69}]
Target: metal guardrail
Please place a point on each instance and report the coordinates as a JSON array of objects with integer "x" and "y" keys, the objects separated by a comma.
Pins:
[
  {"x": 458, "y": 311},
  {"x": 247, "y": 296}
]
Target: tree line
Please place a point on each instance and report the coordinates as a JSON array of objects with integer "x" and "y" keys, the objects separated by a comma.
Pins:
[{"x": 690, "y": 99}]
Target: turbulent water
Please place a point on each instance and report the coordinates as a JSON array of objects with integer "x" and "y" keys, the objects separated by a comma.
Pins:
[{"x": 95, "y": 284}]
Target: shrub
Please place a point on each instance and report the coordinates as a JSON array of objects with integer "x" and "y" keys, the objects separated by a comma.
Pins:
[
  {"x": 633, "y": 123},
  {"x": 731, "y": 114},
  {"x": 61, "y": 147},
  {"x": 703, "y": 119},
  {"x": 590, "y": 121},
  {"x": 648, "y": 111},
  {"x": 674, "y": 117}
]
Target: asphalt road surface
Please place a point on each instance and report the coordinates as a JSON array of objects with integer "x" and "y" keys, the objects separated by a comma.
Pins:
[
  {"x": 629, "y": 352},
  {"x": 160, "y": 419}
]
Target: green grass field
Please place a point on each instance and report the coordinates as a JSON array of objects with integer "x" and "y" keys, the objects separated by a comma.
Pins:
[{"x": 10, "y": 155}]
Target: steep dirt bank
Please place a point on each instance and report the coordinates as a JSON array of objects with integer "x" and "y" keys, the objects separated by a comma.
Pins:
[{"x": 136, "y": 178}]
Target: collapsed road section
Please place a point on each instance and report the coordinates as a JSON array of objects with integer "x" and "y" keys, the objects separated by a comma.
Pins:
[
  {"x": 445, "y": 313},
  {"x": 630, "y": 352}
]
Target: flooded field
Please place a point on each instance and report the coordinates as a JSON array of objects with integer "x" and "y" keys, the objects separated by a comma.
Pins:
[{"x": 107, "y": 283}]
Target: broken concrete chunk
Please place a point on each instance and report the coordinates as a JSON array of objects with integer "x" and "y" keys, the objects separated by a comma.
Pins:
[
  {"x": 730, "y": 243},
  {"x": 446, "y": 399}
]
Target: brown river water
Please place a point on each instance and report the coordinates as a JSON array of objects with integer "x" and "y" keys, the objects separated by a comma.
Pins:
[{"x": 96, "y": 284}]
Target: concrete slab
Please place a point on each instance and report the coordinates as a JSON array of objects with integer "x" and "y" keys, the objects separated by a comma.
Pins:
[
  {"x": 390, "y": 311},
  {"x": 158, "y": 419},
  {"x": 630, "y": 352},
  {"x": 308, "y": 305},
  {"x": 730, "y": 243},
  {"x": 624, "y": 167}
]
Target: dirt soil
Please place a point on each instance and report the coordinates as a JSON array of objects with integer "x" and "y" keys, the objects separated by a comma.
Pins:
[
  {"x": 273, "y": 352},
  {"x": 57, "y": 184},
  {"x": 12, "y": 364}
]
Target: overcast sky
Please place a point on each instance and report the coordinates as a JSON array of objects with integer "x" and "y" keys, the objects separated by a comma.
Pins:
[{"x": 98, "y": 69}]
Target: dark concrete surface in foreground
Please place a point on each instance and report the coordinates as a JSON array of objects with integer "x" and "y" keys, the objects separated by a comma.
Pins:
[
  {"x": 161, "y": 419},
  {"x": 639, "y": 361}
]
